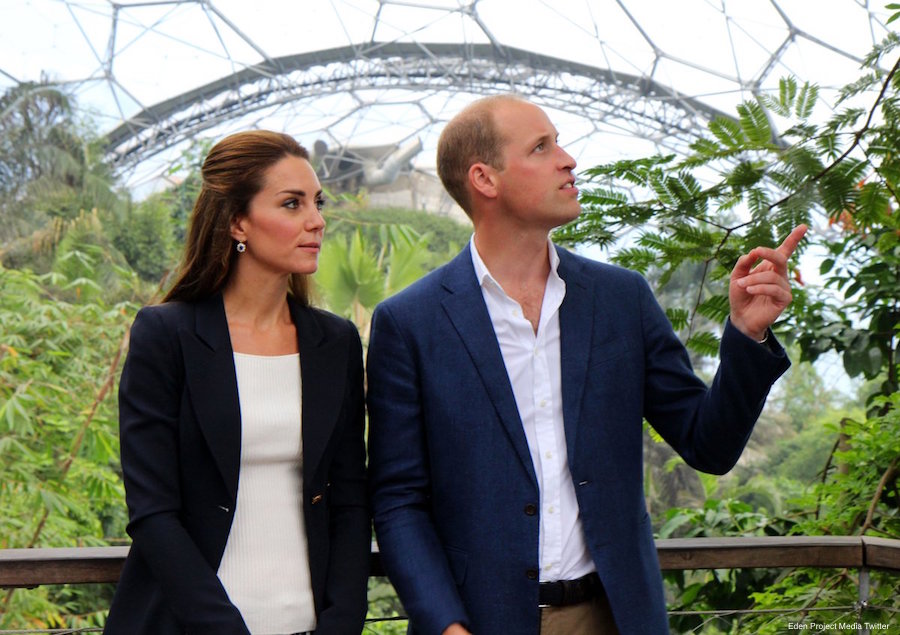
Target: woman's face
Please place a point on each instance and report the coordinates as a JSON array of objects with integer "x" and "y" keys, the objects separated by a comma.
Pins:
[{"x": 283, "y": 227}]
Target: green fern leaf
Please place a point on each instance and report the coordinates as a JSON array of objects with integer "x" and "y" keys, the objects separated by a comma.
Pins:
[
  {"x": 678, "y": 317},
  {"x": 716, "y": 308},
  {"x": 806, "y": 101},
  {"x": 727, "y": 131},
  {"x": 704, "y": 343},
  {"x": 787, "y": 94},
  {"x": 755, "y": 123}
]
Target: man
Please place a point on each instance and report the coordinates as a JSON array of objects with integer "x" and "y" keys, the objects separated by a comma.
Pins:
[{"x": 506, "y": 396}]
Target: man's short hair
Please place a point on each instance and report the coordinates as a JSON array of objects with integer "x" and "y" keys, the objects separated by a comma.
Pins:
[{"x": 470, "y": 137}]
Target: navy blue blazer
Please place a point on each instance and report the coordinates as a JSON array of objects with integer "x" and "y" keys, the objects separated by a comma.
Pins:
[
  {"x": 181, "y": 441},
  {"x": 453, "y": 485}
]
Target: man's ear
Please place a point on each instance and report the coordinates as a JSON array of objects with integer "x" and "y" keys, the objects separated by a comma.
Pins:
[{"x": 483, "y": 179}]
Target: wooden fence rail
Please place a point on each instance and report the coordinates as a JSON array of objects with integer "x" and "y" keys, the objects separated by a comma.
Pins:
[{"x": 79, "y": 565}]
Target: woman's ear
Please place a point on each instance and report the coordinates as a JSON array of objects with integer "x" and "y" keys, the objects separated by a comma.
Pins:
[{"x": 237, "y": 230}]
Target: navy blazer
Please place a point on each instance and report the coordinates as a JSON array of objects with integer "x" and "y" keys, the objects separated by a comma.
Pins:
[
  {"x": 453, "y": 485},
  {"x": 181, "y": 441}
]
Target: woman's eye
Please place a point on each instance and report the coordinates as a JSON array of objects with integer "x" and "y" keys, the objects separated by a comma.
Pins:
[
  {"x": 291, "y": 203},
  {"x": 320, "y": 203}
]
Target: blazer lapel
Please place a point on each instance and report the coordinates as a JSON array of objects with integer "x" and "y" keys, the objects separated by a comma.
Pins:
[
  {"x": 467, "y": 311},
  {"x": 211, "y": 380},
  {"x": 323, "y": 376},
  {"x": 576, "y": 321}
]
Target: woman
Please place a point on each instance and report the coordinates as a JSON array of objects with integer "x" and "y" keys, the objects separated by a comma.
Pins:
[{"x": 244, "y": 466}]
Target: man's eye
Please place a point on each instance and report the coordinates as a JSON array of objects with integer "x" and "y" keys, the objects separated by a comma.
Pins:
[{"x": 539, "y": 147}]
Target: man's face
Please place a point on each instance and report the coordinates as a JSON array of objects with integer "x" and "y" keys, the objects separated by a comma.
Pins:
[{"x": 536, "y": 184}]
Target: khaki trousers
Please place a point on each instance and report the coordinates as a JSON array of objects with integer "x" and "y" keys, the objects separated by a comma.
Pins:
[{"x": 588, "y": 618}]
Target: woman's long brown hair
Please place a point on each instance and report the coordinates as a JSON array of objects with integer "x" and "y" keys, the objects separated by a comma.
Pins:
[{"x": 233, "y": 173}]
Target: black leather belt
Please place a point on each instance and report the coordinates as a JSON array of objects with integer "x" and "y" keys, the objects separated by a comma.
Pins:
[{"x": 570, "y": 592}]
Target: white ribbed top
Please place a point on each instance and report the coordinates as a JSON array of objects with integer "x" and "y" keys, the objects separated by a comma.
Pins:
[{"x": 265, "y": 568}]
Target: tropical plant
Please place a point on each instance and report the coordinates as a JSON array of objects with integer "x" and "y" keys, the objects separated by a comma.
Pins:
[
  {"x": 353, "y": 278},
  {"x": 446, "y": 234},
  {"x": 51, "y": 166},
  {"x": 59, "y": 478},
  {"x": 746, "y": 184},
  {"x": 145, "y": 233},
  {"x": 775, "y": 186}
]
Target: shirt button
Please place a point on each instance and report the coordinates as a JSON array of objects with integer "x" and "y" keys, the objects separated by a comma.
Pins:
[
  {"x": 543, "y": 403},
  {"x": 549, "y": 455},
  {"x": 551, "y": 510},
  {"x": 530, "y": 509}
]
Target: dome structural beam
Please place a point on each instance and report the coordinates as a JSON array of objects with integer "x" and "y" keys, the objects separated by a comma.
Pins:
[{"x": 626, "y": 103}]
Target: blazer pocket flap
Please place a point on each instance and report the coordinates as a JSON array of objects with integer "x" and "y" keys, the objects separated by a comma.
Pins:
[{"x": 458, "y": 560}]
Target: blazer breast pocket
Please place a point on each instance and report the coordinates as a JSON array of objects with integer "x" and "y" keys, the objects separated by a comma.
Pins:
[{"x": 610, "y": 352}]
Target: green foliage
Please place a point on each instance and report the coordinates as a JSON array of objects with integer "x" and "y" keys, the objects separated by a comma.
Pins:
[
  {"x": 725, "y": 589},
  {"x": 859, "y": 496},
  {"x": 353, "y": 278},
  {"x": 803, "y": 457},
  {"x": 716, "y": 518},
  {"x": 746, "y": 183},
  {"x": 59, "y": 474},
  {"x": 50, "y": 166},
  {"x": 757, "y": 188},
  {"x": 386, "y": 614},
  {"x": 446, "y": 236},
  {"x": 861, "y": 493},
  {"x": 145, "y": 235},
  {"x": 814, "y": 598},
  {"x": 187, "y": 179},
  {"x": 87, "y": 259},
  {"x": 349, "y": 278}
]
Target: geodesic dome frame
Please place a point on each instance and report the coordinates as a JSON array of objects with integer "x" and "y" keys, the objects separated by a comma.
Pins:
[{"x": 619, "y": 77}]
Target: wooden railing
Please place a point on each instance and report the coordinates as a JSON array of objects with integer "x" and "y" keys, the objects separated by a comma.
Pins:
[{"x": 35, "y": 567}]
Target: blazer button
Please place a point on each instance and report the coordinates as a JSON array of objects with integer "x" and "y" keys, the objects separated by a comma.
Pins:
[
  {"x": 316, "y": 499},
  {"x": 531, "y": 574},
  {"x": 530, "y": 509}
]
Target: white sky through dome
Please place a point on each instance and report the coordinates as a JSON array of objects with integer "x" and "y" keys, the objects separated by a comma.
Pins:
[{"x": 121, "y": 58}]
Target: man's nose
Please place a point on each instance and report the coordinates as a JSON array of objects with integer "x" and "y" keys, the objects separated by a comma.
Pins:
[{"x": 567, "y": 160}]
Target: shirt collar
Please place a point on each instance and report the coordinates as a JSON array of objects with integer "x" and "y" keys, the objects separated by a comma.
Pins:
[{"x": 483, "y": 275}]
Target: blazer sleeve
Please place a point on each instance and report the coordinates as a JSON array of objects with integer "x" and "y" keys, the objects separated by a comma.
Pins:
[
  {"x": 350, "y": 533},
  {"x": 708, "y": 427},
  {"x": 150, "y": 396},
  {"x": 410, "y": 548}
]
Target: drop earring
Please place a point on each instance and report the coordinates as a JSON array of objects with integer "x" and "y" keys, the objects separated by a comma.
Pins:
[{"x": 241, "y": 247}]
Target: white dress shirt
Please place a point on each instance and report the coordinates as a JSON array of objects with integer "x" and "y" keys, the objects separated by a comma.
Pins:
[{"x": 532, "y": 363}]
